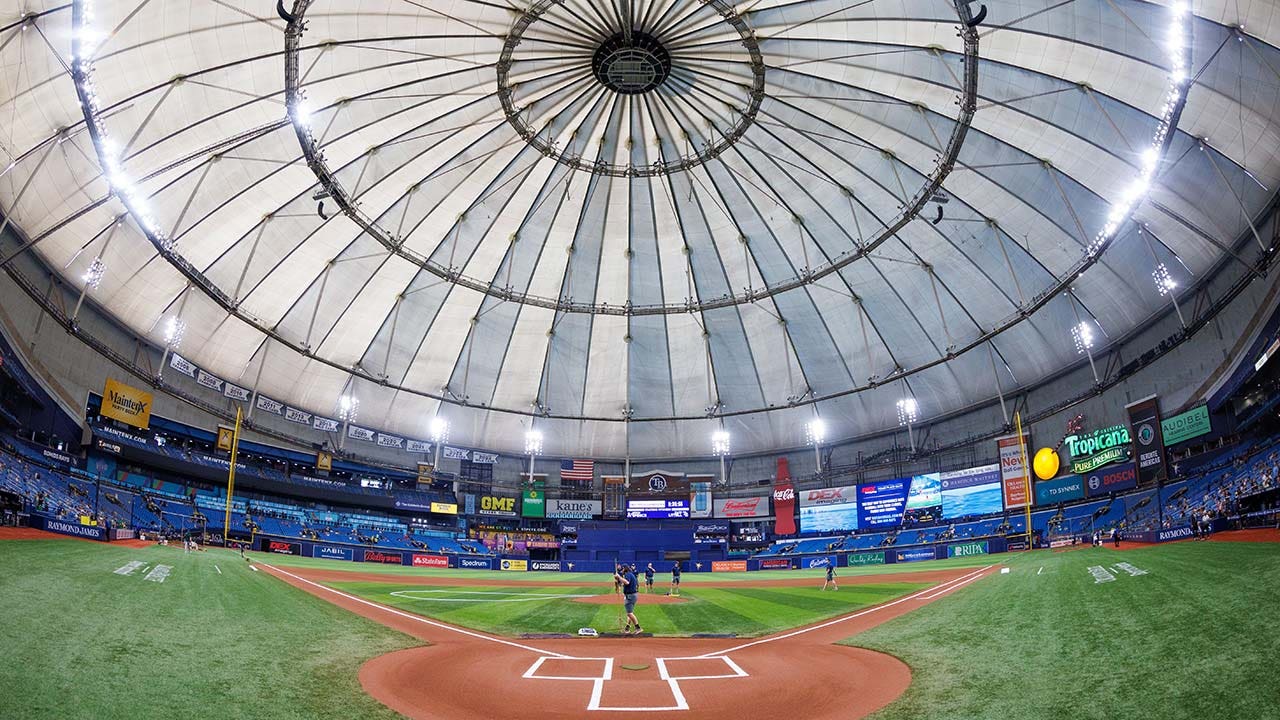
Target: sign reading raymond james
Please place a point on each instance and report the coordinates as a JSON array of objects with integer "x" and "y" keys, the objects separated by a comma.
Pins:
[{"x": 1098, "y": 448}]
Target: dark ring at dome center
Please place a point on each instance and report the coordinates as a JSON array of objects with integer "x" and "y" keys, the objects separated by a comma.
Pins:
[{"x": 631, "y": 63}]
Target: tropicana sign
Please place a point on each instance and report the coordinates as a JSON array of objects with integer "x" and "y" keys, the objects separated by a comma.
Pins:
[{"x": 1100, "y": 447}]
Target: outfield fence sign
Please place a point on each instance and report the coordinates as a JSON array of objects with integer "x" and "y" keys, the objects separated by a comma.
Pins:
[
  {"x": 871, "y": 558},
  {"x": 968, "y": 549}
]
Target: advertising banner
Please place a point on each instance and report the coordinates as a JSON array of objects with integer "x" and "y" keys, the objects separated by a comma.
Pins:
[
  {"x": 497, "y": 505},
  {"x": 1148, "y": 441},
  {"x": 533, "y": 504},
  {"x": 829, "y": 509},
  {"x": 444, "y": 508},
  {"x": 1111, "y": 479},
  {"x": 127, "y": 404},
  {"x": 413, "y": 505},
  {"x": 784, "y": 500},
  {"x": 469, "y": 504},
  {"x": 728, "y": 566},
  {"x": 92, "y": 532},
  {"x": 1013, "y": 474},
  {"x": 468, "y": 563},
  {"x": 514, "y": 565},
  {"x": 331, "y": 552},
  {"x": 1186, "y": 426},
  {"x": 1095, "y": 449},
  {"x": 700, "y": 497},
  {"x": 748, "y": 507},
  {"x": 881, "y": 504},
  {"x": 1051, "y": 492},
  {"x": 280, "y": 547},
  {"x": 968, "y": 549},
  {"x": 973, "y": 491},
  {"x": 711, "y": 528},
  {"x": 924, "y": 499},
  {"x": 775, "y": 564},
  {"x": 914, "y": 555},
  {"x": 431, "y": 561},
  {"x": 381, "y": 556},
  {"x": 573, "y": 509},
  {"x": 809, "y": 563},
  {"x": 324, "y": 461},
  {"x": 545, "y": 565},
  {"x": 869, "y": 558}
]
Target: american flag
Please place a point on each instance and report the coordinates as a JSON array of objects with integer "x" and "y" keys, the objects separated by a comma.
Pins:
[{"x": 577, "y": 471}]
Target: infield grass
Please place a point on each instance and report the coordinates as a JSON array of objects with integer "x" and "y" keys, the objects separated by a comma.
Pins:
[
  {"x": 80, "y": 641},
  {"x": 741, "y": 611},
  {"x": 1196, "y": 637}
]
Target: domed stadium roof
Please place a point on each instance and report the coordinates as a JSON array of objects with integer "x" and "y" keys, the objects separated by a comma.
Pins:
[{"x": 637, "y": 220}]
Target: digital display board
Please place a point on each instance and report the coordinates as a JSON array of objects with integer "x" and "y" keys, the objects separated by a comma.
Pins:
[
  {"x": 658, "y": 509},
  {"x": 924, "y": 499},
  {"x": 829, "y": 509},
  {"x": 880, "y": 504},
  {"x": 973, "y": 491}
]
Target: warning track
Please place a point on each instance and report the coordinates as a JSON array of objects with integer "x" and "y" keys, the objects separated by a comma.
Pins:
[{"x": 468, "y": 675}]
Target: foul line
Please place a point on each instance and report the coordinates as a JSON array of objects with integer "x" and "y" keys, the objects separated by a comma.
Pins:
[
  {"x": 858, "y": 614},
  {"x": 946, "y": 590},
  {"x": 417, "y": 618}
]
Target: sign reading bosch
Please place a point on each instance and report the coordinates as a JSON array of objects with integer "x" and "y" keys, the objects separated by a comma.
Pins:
[
  {"x": 1103, "y": 482},
  {"x": 1098, "y": 448},
  {"x": 495, "y": 505}
]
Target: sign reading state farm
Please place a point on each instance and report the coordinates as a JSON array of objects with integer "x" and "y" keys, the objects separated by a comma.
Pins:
[{"x": 748, "y": 507}]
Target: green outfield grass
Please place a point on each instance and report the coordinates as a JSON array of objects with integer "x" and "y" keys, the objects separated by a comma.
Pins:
[
  {"x": 1196, "y": 637},
  {"x": 742, "y": 611},
  {"x": 80, "y": 641},
  {"x": 661, "y": 579}
]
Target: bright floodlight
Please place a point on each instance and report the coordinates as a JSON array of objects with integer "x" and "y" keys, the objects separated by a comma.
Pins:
[
  {"x": 1164, "y": 281},
  {"x": 533, "y": 443},
  {"x": 1082, "y": 334},
  {"x": 174, "y": 330},
  {"x": 93, "y": 276},
  {"x": 439, "y": 429},
  {"x": 720, "y": 442},
  {"x": 348, "y": 408},
  {"x": 908, "y": 411},
  {"x": 815, "y": 431}
]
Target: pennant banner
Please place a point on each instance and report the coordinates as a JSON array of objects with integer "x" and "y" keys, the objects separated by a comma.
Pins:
[
  {"x": 182, "y": 365},
  {"x": 454, "y": 453},
  {"x": 292, "y": 415},
  {"x": 235, "y": 392},
  {"x": 390, "y": 441},
  {"x": 266, "y": 404},
  {"x": 360, "y": 433},
  {"x": 417, "y": 446},
  {"x": 484, "y": 458},
  {"x": 213, "y": 382},
  {"x": 324, "y": 424}
]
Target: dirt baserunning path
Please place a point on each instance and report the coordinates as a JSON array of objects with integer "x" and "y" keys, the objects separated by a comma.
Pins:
[{"x": 468, "y": 675}]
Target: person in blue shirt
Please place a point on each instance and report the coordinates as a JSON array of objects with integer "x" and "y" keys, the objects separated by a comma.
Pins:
[
  {"x": 625, "y": 577},
  {"x": 648, "y": 578},
  {"x": 675, "y": 580},
  {"x": 831, "y": 578}
]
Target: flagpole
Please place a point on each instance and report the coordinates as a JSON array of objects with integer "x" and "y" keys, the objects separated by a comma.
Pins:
[{"x": 1026, "y": 473}]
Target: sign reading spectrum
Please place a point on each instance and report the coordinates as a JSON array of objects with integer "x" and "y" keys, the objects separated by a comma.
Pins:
[
  {"x": 127, "y": 404},
  {"x": 1185, "y": 426}
]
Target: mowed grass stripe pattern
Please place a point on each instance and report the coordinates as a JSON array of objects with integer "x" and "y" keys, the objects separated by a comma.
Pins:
[
  {"x": 746, "y": 612},
  {"x": 83, "y": 642},
  {"x": 1196, "y": 638}
]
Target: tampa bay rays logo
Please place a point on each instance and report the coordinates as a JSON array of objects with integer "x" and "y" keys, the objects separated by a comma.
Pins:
[{"x": 657, "y": 483}]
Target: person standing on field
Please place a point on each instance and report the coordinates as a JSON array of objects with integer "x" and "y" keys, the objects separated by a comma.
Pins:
[
  {"x": 831, "y": 578},
  {"x": 648, "y": 578},
  {"x": 625, "y": 577},
  {"x": 675, "y": 580}
]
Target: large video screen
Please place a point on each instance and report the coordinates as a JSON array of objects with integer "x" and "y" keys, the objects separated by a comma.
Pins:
[
  {"x": 880, "y": 504},
  {"x": 924, "y": 500},
  {"x": 658, "y": 509},
  {"x": 829, "y": 509},
  {"x": 974, "y": 491}
]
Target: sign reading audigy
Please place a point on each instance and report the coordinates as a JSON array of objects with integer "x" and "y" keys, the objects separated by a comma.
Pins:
[
  {"x": 1100, "y": 447},
  {"x": 1148, "y": 441},
  {"x": 127, "y": 404}
]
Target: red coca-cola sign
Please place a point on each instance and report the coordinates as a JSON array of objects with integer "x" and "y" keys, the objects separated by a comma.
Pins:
[{"x": 784, "y": 501}]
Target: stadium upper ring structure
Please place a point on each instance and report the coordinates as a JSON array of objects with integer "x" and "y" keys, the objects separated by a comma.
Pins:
[{"x": 632, "y": 222}]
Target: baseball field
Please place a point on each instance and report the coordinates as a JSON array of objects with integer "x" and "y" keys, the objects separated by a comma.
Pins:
[{"x": 1179, "y": 630}]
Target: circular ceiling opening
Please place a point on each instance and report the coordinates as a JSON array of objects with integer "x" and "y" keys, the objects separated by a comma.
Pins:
[{"x": 631, "y": 63}]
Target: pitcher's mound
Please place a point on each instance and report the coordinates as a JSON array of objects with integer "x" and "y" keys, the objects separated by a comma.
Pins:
[{"x": 611, "y": 599}]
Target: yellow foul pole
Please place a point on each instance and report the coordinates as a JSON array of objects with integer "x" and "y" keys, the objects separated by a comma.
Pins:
[
  {"x": 231, "y": 477},
  {"x": 1026, "y": 471}
]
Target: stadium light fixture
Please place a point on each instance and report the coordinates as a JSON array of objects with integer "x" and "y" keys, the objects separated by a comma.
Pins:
[
  {"x": 1164, "y": 281},
  {"x": 1082, "y": 334},
  {"x": 533, "y": 443},
  {"x": 93, "y": 275},
  {"x": 439, "y": 429},
  {"x": 348, "y": 408},
  {"x": 174, "y": 331},
  {"x": 908, "y": 411},
  {"x": 815, "y": 431},
  {"x": 720, "y": 442}
]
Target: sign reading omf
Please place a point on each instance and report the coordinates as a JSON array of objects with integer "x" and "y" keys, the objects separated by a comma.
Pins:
[{"x": 1098, "y": 448}]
